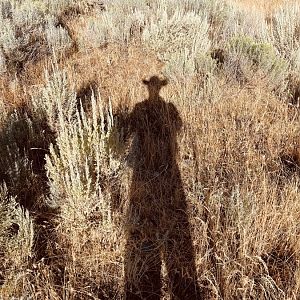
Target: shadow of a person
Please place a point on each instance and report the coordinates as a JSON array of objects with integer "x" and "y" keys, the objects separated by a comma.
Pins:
[{"x": 157, "y": 221}]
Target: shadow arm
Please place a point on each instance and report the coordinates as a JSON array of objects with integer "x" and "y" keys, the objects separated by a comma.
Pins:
[{"x": 175, "y": 117}]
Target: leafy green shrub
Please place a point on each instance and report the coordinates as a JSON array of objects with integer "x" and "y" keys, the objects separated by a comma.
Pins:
[
  {"x": 250, "y": 56},
  {"x": 259, "y": 53}
]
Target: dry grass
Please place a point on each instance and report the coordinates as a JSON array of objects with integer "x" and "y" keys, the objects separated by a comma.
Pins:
[
  {"x": 264, "y": 5},
  {"x": 67, "y": 184}
]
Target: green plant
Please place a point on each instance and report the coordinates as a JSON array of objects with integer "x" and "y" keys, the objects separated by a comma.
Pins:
[{"x": 247, "y": 53}]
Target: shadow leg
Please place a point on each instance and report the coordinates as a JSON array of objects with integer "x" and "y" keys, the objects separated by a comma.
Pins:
[
  {"x": 142, "y": 270},
  {"x": 180, "y": 264}
]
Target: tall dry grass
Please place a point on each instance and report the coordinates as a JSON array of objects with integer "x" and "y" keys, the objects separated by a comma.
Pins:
[{"x": 69, "y": 70}]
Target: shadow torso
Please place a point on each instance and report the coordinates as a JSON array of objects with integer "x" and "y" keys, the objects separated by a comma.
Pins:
[
  {"x": 155, "y": 124},
  {"x": 156, "y": 195}
]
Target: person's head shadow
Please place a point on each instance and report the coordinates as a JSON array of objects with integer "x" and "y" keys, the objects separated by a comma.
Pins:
[
  {"x": 154, "y": 123},
  {"x": 157, "y": 224},
  {"x": 154, "y": 85}
]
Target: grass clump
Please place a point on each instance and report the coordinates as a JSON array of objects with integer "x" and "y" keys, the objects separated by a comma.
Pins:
[
  {"x": 17, "y": 239},
  {"x": 254, "y": 56}
]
